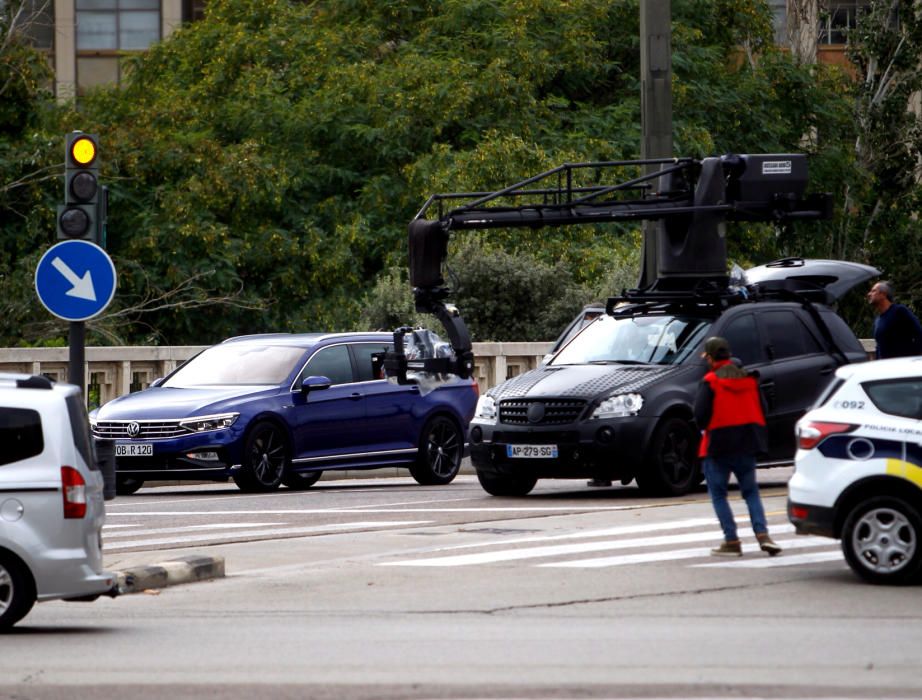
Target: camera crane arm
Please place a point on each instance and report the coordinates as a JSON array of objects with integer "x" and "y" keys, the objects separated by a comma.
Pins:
[{"x": 690, "y": 199}]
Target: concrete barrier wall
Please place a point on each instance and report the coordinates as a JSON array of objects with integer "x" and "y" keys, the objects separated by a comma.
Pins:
[{"x": 115, "y": 371}]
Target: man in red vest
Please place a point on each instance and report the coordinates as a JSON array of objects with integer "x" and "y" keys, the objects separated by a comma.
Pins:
[{"x": 729, "y": 409}]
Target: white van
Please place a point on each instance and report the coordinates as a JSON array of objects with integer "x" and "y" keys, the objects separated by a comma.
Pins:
[{"x": 51, "y": 498}]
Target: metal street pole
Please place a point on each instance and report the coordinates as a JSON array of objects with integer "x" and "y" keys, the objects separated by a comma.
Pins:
[
  {"x": 76, "y": 364},
  {"x": 655, "y": 109}
]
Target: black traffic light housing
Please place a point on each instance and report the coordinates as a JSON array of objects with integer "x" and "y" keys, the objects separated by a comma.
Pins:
[{"x": 81, "y": 217}]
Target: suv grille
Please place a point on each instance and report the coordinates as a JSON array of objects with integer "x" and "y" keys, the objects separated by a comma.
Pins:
[
  {"x": 540, "y": 411},
  {"x": 147, "y": 429}
]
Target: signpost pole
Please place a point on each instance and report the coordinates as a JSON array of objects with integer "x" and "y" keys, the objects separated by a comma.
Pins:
[{"x": 76, "y": 366}]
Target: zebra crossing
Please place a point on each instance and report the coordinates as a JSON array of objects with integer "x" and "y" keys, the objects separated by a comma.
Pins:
[
  {"x": 689, "y": 540},
  {"x": 686, "y": 541}
]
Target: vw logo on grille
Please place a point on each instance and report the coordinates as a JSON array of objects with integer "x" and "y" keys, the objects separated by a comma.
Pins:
[
  {"x": 133, "y": 429},
  {"x": 536, "y": 412}
]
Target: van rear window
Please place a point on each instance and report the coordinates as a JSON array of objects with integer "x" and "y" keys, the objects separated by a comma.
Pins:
[
  {"x": 20, "y": 434},
  {"x": 80, "y": 427}
]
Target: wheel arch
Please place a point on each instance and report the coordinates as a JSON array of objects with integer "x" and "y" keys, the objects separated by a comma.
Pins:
[{"x": 871, "y": 487}]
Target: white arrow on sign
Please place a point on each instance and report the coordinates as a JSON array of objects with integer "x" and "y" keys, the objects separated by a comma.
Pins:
[{"x": 82, "y": 286}]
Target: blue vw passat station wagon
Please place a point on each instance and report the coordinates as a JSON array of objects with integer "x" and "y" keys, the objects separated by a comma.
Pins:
[{"x": 276, "y": 409}]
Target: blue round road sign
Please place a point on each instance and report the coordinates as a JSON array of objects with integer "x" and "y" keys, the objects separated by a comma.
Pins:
[{"x": 75, "y": 280}]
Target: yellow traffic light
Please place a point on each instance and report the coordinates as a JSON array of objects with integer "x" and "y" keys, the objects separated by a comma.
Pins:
[{"x": 83, "y": 150}]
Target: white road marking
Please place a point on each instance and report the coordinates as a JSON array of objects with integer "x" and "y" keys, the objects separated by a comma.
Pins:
[
  {"x": 273, "y": 532},
  {"x": 184, "y": 528},
  {"x": 605, "y": 532},
  {"x": 576, "y": 548},
  {"x": 646, "y": 557},
  {"x": 355, "y": 510},
  {"x": 780, "y": 560}
]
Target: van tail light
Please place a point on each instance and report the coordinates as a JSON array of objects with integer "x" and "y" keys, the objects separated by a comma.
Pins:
[
  {"x": 73, "y": 488},
  {"x": 811, "y": 433}
]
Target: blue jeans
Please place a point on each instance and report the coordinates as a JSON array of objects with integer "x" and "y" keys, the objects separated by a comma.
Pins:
[{"x": 717, "y": 471}]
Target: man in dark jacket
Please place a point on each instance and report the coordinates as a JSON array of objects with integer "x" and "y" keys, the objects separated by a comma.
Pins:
[
  {"x": 897, "y": 332},
  {"x": 728, "y": 408}
]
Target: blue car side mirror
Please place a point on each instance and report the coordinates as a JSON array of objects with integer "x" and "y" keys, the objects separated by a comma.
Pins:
[{"x": 315, "y": 383}]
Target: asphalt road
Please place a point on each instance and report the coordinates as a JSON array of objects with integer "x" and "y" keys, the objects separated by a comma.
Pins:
[{"x": 381, "y": 588}]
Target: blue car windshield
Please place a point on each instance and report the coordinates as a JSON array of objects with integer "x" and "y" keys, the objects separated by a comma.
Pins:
[
  {"x": 238, "y": 364},
  {"x": 662, "y": 340}
]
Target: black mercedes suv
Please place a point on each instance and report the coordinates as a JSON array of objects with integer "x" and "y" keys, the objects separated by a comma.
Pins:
[{"x": 615, "y": 403}]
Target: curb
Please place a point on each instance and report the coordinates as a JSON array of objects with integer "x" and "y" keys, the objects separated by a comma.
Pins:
[{"x": 169, "y": 573}]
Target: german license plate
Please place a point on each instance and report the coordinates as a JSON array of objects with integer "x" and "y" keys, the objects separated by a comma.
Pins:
[
  {"x": 532, "y": 451},
  {"x": 134, "y": 449}
]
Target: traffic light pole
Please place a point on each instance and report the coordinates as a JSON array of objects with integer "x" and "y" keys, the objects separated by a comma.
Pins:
[{"x": 76, "y": 364}]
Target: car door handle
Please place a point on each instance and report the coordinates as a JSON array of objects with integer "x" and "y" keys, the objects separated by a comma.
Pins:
[
  {"x": 355, "y": 396},
  {"x": 827, "y": 370}
]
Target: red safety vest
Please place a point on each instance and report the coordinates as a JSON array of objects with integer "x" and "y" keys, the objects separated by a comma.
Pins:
[{"x": 736, "y": 403}]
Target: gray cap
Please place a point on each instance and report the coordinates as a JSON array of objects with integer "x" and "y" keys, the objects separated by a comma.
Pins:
[{"x": 717, "y": 348}]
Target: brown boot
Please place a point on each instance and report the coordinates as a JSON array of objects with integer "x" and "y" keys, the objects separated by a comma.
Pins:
[
  {"x": 766, "y": 544},
  {"x": 729, "y": 548}
]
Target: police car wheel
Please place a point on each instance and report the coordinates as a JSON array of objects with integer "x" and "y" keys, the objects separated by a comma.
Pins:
[
  {"x": 17, "y": 591},
  {"x": 881, "y": 541}
]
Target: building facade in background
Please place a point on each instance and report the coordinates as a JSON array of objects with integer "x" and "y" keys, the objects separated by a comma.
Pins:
[{"x": 87, "y": 40}]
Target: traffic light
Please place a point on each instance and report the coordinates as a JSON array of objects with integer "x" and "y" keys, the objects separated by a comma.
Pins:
[{"x": 79, "y": 216}]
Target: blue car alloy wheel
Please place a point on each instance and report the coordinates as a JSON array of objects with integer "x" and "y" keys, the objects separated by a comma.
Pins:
[{"x": 265, "y": 459}]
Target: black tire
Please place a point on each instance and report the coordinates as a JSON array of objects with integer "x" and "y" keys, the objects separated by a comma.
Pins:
[
  {"x": 265, "y": 459},
  {"x": 671, "y": 467},
  {"x": 17, "y": 591},
  {"x": 441, "y": 449},
  {"x": 298, "y": 481},
  {"x": 125, "y": 486},
  {"x": 503, "y": 485},
  {"x": 882, "y": 541}
]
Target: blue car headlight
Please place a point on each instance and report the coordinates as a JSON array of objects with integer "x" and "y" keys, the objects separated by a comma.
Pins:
[
  {"x": 620, "y": 405},
  {"x": 201, "y": 424}
]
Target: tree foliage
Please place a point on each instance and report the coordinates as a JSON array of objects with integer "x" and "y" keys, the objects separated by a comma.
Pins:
[{"x": 264, "y": 162}]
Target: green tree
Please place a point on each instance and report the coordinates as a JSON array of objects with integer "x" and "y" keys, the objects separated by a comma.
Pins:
[{"x": 264, "y": 162}]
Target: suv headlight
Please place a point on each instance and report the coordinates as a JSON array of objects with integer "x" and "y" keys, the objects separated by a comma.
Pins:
[
  {"x": 486, "y": 409},
  {"x": 201, "y": 424},
  {"x": 620, "y": 405}
]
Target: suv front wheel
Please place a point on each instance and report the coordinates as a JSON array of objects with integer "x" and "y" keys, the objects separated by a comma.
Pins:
[
  {"x": 881, "y": 541},
  {"x": 671, "y": 467}
]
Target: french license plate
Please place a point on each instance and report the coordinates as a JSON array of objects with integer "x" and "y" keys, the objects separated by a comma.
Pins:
[
  {"x": 532, "y": 451},
  {"x": 134, "y": 449}
]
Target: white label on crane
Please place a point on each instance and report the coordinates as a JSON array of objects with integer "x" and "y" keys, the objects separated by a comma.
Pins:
[{"x": 776, "y": 167}]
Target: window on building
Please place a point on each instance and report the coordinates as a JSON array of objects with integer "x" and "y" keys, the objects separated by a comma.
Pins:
[
  {"x": 193, "y": 10},
  {"x": 840, "y": 17},
  {"x": 110, "y": 25},
  {"x": 36, "y": 21}
]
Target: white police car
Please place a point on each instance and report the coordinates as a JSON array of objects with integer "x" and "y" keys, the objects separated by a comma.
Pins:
[
  {"x": 858, "y": 473},
  {"x": 51, "y": 498}
]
